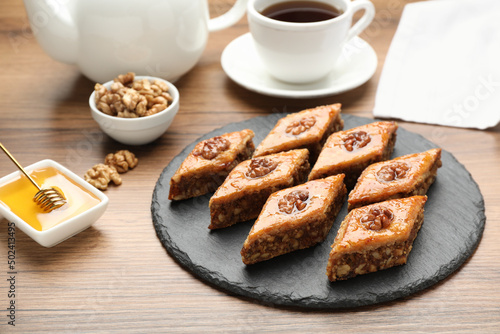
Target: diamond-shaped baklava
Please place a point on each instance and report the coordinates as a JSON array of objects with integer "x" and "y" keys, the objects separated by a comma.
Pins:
[
  {"x": 306, "y": 129},
  {"x": 295, "y": 218},
  {"x": 211, "y": 160},
  {"x": 248, "y": 186},
  {"x": 351, "y": 151},
  {"x": 375, "y": 237},
  {"x": 404, "y": 176}
]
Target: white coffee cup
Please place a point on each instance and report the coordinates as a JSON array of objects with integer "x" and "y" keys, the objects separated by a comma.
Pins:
[{"x": 305, "y": 52}]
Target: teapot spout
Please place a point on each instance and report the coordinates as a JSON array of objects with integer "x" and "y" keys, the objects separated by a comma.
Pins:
[{"x": 54, "y": 29}]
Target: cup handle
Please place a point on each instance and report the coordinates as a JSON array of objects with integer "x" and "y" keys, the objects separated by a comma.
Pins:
[
  {"x": 228, "y": 19},
  {"x": 364, "y": 21}
]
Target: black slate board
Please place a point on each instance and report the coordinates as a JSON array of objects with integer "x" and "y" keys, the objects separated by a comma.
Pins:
[{"x": 454, "y": 223}]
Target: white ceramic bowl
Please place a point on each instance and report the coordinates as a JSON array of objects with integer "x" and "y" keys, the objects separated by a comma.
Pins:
[
  {"x": 141, "y": 130},
  {"x": 67, "y": 228}
]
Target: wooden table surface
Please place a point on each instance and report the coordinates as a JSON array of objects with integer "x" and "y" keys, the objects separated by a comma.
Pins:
[{"x": 117, "y": 277}]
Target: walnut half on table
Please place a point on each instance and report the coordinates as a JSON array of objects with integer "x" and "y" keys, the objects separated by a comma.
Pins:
[
  {"x": 122, "y": 160},
  {"x": 101, "y": 175}
]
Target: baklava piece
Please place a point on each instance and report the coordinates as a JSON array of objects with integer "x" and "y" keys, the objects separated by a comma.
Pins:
[
  {"x": 350, "y": 152},
  {"x": 211, "y": 160},
  {"x": 375, "y": 237},
  {"x": 248, "y": 186},
  {"x": 295, "y": 218},
  {"x": 306, "y": 129},
  {"x": 404, "y": 176}
]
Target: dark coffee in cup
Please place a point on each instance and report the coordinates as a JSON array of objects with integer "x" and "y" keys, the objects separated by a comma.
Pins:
[
  {"x": 301, "y": 11},
  {"x": 297, "y": 52}
]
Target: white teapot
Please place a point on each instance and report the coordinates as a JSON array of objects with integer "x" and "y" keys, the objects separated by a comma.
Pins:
[{"x": 104, "y": 38}]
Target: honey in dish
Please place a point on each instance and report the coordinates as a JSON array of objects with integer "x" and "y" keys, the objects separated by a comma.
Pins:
[{"x": 17, "y": 194}]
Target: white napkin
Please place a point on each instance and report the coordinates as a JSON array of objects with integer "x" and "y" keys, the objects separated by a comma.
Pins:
[{"x": 443, "y": 66}]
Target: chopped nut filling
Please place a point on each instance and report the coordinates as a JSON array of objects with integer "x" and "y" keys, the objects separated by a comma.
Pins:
[
  {"x": 393, "y": 172},
  {"x": 304, "y": 124},
  {"x": 212, "y": 147},
  {"x": 377, "y": 219},
  {"x": 295, "y": 200},
  {"x": 260, "y": 167},
  {"x": 356, "y": 140}
]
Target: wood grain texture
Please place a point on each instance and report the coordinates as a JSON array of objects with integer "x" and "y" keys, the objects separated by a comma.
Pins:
[{"x": 116, "y": 276}]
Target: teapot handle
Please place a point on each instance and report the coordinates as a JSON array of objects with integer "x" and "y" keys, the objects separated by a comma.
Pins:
[{"x": 229, "y": 18}]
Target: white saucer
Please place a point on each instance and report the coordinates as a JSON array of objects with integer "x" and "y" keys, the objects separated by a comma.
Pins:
[{"x": 356, "y": 65}]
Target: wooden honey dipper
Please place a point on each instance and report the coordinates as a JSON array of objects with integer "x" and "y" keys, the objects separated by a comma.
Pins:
[{"x": 47, "y": 198}]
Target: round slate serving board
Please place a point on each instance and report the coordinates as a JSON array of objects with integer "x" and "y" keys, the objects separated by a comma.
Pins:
[{"x": 453, "y": 225}]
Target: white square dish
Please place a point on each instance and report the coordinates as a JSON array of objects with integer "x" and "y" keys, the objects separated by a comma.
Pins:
[{"x": 66, "y": 229}]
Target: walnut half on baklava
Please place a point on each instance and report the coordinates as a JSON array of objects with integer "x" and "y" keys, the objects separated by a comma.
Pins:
[
  {"x": 248, "y": 186},
  {"x": 295, "y": 218},
  {"x": 375, "y": 237},
  {"x": 211, "y": 160},
  {"x": 351, "y": 151},
  {"x": 305, "y": 129},
  {"x": 405, "y": 176}
]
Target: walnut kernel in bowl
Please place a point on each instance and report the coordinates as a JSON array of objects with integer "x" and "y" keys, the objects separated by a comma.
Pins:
[
  {"x": 130, "y": 98},
  {"x": 134, "y": 110}
]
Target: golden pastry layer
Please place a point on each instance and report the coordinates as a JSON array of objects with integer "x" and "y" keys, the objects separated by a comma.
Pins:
[
  {"x": 211, "y": 160},
  {"x": 404, "y": 176},
  {"x": 306, "y": 129},
  {"x": 295, "y": 218},
  {"x": 248, "y": 186},
  {"x": 351, "y": 151},
  {"x": 375, "y": 237}
]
